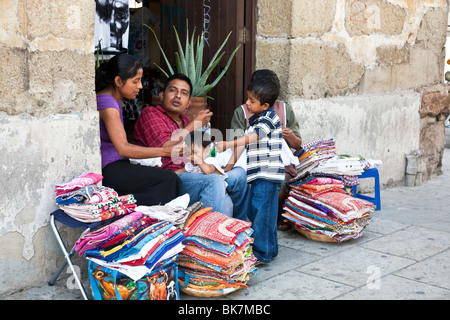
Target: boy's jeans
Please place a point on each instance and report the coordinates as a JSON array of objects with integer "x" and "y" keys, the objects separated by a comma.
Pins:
[
  {"x": 263, "y": 214},
  {"x": 238, "y": 191}
]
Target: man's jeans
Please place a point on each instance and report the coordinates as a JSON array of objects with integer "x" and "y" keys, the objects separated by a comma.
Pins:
[
  {"x": 207, "y": 188},
  {"x": 263, "y": 216},
  {"x": 210, "y": 189}
]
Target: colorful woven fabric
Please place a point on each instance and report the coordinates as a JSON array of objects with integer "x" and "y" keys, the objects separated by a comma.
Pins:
[
  {"x": 217, "y": 256},
  {"x": 81, "y": 181},
  {"x": 83, "y": 194},
  {"x": 94, "y": 212},
  {"x": 95, "y": 238},
  {"x": 218, "y": 227}
]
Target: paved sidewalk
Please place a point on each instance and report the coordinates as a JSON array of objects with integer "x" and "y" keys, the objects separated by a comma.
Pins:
[{"x": 403, "y": 254}]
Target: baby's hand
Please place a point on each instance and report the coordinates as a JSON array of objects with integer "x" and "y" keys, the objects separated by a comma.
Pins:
[{"x": 221, "y": 146}]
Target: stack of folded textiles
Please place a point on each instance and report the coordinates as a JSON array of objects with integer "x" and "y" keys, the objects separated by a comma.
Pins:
[
  {"x": 85, "y": 200},
  {"x": 135, "y": 246},
  {"x": 132, "y": 255},
  {"x": 320, "y": 206},
  {"x": 217, "y": 258},
  {"x": 318, "y": 203},
  {"x": 313, "y": 154}
]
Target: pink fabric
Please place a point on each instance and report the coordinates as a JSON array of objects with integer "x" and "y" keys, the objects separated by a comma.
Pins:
[
  {"x": 218, "y": 227},
  {"x": 103, "y": 194},
  {"x": 343, "y": 202},
  {"x": 92, "y": 239},
  {"x": 322, "y": 180},
  {"x": 83, "y": 180}
]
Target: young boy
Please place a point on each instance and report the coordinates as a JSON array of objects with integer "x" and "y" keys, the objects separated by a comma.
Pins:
[{"x": 265, "y": 169}]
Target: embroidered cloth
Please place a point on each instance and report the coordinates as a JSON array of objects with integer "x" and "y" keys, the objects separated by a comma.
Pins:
[{"x": 218, "y": 227}]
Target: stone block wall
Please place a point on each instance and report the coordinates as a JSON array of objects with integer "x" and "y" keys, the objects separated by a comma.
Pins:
[
  {"x": 49, "y": 127},
  {"x": 354, "y": 70}
]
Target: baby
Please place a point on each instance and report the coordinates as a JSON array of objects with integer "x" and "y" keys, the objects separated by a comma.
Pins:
[{"x": 202, "y": 161}]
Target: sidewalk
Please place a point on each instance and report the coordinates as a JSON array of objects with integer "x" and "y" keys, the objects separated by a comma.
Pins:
[{"x": 404, "y": 254}]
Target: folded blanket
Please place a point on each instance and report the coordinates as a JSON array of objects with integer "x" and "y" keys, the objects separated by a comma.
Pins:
[
  {"x": 83, "y": 180},
  {"x": 218, "y": 227}
]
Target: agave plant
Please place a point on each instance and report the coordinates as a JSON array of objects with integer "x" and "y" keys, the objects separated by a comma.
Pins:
[{"x": 189, "y": 61}]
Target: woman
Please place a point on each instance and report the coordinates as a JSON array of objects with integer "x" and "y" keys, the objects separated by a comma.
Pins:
[{"x": 115, "y": 80}]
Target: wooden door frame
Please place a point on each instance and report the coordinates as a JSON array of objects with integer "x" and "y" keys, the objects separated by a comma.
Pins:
[{"x": 242, "y": 68}]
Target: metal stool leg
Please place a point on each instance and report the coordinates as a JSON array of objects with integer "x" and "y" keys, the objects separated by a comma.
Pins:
[{"x": 67, "y": 258}]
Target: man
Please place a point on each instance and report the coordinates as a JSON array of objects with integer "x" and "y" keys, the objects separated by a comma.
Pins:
[{"x": 166, "y": 125}]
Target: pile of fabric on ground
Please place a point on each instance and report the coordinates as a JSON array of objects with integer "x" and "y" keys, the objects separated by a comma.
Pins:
[
  {"x": 318, "y": 205},
  {"x": 320, "y": 157},
  {"x": 133, "y": 255},
  {"x": 217, "y": 258}
]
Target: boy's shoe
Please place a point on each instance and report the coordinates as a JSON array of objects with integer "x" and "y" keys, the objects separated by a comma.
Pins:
[{"x": 259, "y": 263}]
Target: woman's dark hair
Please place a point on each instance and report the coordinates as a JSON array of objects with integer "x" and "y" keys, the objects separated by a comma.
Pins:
[{"x": 123, "y": 65}]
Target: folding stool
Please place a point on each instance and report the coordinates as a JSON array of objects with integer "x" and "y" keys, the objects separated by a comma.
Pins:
[{"x": 60, "y": 216}]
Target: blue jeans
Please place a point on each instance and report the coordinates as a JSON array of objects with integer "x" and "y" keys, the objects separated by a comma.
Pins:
[
  {"x": 263, "y": 213},
  {"x": 238, "y": 191},
  {"x": 207, "y": 188}
]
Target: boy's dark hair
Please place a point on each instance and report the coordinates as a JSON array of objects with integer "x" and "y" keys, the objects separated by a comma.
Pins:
[
  {"x": 265, "y": 90},
  {"x": 265, "y": 73},
  {"x": 198, "y": 138},
  {"x": 179, "y": 76}
]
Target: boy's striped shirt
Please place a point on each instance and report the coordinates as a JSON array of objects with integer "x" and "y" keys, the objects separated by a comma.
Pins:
[{"x": 264, "y": 155}]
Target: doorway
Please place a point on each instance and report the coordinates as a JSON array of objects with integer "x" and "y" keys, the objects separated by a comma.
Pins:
[{"x": 215, "y": 19}]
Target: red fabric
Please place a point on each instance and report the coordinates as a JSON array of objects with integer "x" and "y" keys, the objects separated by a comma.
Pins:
[
  {"x": 153, "y": 128},
  {"x": 218, "y": 227},
  {"x": 343, "y": 202}
]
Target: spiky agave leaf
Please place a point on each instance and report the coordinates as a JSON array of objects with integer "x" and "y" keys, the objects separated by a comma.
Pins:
[
  {"x": 190, "y": 61},
  {"x": 163, "y": 54}
]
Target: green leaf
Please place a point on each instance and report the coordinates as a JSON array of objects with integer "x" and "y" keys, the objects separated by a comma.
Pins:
[
  {"x": 190, "y": 60},
  {"x": 199, "y": 57},
  {"x": 226, "y": 67},
  {"x": 162, "y": 51},
  {"x": 181, "y": 52}
]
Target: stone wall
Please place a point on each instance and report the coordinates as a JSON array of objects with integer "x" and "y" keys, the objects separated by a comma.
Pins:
[
  {"x": 359, "y": 71},
  {"x": 353, "y": 70},
  {"x": 49, "y": 127}
]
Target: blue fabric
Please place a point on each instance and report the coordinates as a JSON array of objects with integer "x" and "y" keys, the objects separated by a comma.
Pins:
[
  {"x": 136, "y": 246},
  {"x": 163, "y": 248},
  {"x": 263, "y": 216}
]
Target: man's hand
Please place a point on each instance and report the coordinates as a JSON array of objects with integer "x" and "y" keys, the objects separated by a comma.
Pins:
[
  {"x": 204, "y": 116},
  {"x": 177, "y": 150}
]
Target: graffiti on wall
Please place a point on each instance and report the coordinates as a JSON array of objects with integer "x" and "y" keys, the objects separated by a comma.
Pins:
[
  {"x": 206, "y": 21},
  {"x": 361, "y": 12}
]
